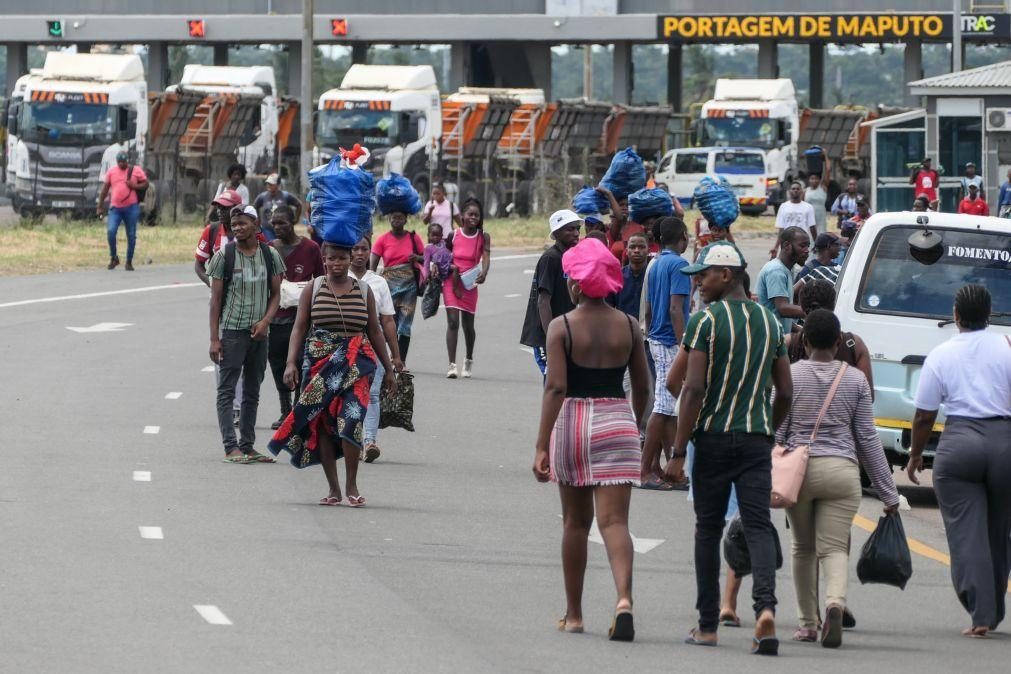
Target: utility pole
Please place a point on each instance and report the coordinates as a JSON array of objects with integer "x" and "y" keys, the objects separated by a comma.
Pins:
[
  {"x": 305, "y": 108},
  {"x": 956, "y": 36}
]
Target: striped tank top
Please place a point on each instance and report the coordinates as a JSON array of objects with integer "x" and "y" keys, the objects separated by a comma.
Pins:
[{"x": 347, "y": 315}]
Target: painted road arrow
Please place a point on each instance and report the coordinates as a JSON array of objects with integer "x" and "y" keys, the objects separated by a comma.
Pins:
[
  {"x": 103, "y": 327},
  {"x": 640, "y": 545}
]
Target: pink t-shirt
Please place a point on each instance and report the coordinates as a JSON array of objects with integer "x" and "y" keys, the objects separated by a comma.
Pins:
[
  {"x": 394, "y": 251},
  {"x": 120, "y": 194},
  {"x": 443, "y": 214}
]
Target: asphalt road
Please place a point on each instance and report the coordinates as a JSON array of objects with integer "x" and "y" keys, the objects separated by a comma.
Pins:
[{"x": 453, "y": 565}]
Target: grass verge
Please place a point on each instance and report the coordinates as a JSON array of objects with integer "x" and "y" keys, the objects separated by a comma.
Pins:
[{"x": 70, "y": 245}]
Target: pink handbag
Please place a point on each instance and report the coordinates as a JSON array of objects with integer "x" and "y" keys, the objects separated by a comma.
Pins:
[{"x": 789, "y": 464}]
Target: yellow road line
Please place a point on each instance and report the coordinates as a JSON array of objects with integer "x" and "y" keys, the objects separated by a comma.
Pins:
[{"x": 914, "y": 545}]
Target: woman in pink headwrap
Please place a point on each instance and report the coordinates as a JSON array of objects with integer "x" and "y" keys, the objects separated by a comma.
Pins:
[{"x": 589, "y": 439}]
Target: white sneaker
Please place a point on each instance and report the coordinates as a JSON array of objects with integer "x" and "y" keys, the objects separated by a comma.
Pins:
[
  {"x": 468, "y": 365},
  {"x": 452, "y": 371}
]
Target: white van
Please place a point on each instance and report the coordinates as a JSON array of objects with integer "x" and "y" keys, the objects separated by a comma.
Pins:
[
  {"x": 743, "y": 167},
  {"x": 901, "y": 305}
]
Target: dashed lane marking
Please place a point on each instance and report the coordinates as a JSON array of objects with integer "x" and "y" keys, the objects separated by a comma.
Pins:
[
  {"x": 174, "y": 395},
  {"x": 209, "y": 368},
  {"x": 152, "y": 430},
  {"x": 528, "y": 271},
  {"x": 212, "y": 614},
  {"x": 512, "y": 295},
  {"x": 151, "y": 533},
  {"x": 141, "y": 476},
  {"x": 107, "y": 293}
]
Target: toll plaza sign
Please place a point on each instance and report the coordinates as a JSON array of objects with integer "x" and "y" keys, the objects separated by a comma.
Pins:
[{"x": 736, "y": 28}]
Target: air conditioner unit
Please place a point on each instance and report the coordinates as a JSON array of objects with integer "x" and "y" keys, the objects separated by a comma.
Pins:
[{"x": 998, "y": 119}]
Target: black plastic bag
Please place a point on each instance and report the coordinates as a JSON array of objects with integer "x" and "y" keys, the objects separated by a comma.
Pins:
[
  {"x": 735, "y": 549},
  {"x": 398, "y": 410},
  {"x": 431, "y": 299},
  {"x": 885, "y": 557}
]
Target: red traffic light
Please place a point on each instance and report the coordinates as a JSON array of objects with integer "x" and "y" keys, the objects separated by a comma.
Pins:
[
  {"x": 339, "y": 27},
  {"x": 196, "y": 27}
]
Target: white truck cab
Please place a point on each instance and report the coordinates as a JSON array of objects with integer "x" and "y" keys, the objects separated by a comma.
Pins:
[{"x": 899, "y": 298}]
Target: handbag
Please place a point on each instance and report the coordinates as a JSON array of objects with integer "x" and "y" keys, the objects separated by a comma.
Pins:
[
  {"x": 291, "y": 291},
  {"x": 789, "y": 464}
]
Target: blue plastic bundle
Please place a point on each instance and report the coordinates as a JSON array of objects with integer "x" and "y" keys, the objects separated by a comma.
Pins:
[
  {"x": 589, "y": 201},
  {"x": 396, "y": 195},
  {"x": 625, "y": 175},
  {"x": 342, "y": 203},
  {"x": 717, "y": 201},
  {"x": 649, "y": 202}
]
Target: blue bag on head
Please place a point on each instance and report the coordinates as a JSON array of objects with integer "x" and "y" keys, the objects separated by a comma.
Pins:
[
  {"x": 342, "y": 202},
  {"x": 589, "y": 201},
  {"x": 717, "y": 201},
  {"x": 626, "y": 175},
  {"x": 649, "y": 202},
  {"x": 396, "y": 195}
]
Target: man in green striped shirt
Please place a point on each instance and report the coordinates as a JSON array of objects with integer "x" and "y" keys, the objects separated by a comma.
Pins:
[{"x": 736, "y": 354}]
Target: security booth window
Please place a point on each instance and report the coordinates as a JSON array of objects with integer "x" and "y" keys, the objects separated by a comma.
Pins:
[
  {"x": 900, "y": 281},
  {"x": 960, "y": 140}
]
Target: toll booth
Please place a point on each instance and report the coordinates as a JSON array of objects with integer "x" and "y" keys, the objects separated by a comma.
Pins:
[{"x": 898, "y": 145}]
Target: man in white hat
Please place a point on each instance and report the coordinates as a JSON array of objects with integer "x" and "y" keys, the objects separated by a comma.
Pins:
[
  {"x": 549, "y": 294},
  {"x": 271, "y": 199}
]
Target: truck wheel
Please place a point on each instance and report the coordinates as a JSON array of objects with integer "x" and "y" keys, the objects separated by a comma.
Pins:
[
  {"x": 468, "y": 190},
  {"x": 524, "y": 195},
  {"x": 492, "y": 200}
]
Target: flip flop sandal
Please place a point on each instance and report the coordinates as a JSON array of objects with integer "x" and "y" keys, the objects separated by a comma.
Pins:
[
  {"x": 356, "y": 501},
  {"x": 622, "y": 627},
  {"x": 765, "y": 646},
  {"x": 693, "y": 640},
  {"x": 831, "y": 631},
  {"x": 656, "y": 485},
  {"x": 260, "y": 458},
  {"x": 680, "y": 486},
  {"x": 329, "y": 501},
  {"x": 372, "y": 453},
  {"x": 730, "y": 620},
  {"x": 236, "y": 459},
  {"x": 563, "y": 626}
]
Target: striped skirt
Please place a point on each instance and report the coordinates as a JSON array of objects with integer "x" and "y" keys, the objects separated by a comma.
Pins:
[{"x": 595, "y": 442}]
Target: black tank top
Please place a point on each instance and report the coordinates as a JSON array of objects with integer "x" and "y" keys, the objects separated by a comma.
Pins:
[{"x": 594, "y": 382}]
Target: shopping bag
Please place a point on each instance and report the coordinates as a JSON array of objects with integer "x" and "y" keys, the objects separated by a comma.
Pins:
[
  {"x": 396, "y": 195},
  {"x": 626, "y": 174},
  {"x": 397, "y": 410},
  {"x": 431, "y": 299},
  {"x": 589, "y": 201},
  {"x": 717, "y": 201},
  {"x": 342, "y": 203},
  {"x": 885, "y": 557},
  {"x": 735, "y": 549},
  {"x": 649, "y": 203}
]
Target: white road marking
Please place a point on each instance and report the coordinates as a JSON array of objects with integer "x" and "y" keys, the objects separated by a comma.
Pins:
[
  {"x": 102, "y": 327},
  {"x": 209, "y": 368},
  {"x": 640, "y": 545},
  {"x": 152, "y": 430},
  {"x": 174, "y": 395},
  {"x": 527, "y": 349},
  {"x": 528, "y": 271},
  {"x": 523, "y": 256},
  {"x": 141, "y": 476},
  {"x": 151, "y": 533},
  {"x": 212, "y": 614},
  {"x": 512, "y": 295},
  {"x": 107, "y": 293}
]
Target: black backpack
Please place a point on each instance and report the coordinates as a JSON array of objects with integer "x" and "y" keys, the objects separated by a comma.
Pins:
[
  {"x": 142, "y": 192},
  {"x": 268, "y": 260}
]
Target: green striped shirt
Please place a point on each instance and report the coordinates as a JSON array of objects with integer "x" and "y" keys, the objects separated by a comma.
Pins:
[
  {"x": 245, "y": 302},
  {"x": 741, "y": 340}
]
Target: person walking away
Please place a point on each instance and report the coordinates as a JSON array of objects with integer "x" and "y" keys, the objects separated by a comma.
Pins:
[
  {"x": 736, "y": 354},
  {"x": 271, "y": 199},
  {"x": 974, "y": 203},
  {"x": 1004, "y": 198},
  {"x": 774, "y": 286},
  {"x": 121, "y": 186},
  {"x": 822, "y": 266},
  {"x": 549, "y": 295},
  {"x": 832, "y": 414},
  {"x": 925, "y": 180},
  {"x": 845, "y": 205},
  {"x": 245, "y": 293},
  {"x": 795, "y": 213},
  {"x": 401, "y": 253},
  {"x": 336, "y": 313},
  {"x": 816, "y": 195},
  {"x": 970, "y": 178},
  {"x": 970, "y": 374},
  {"x": 440, "y": 210},
  {"x": 302, "y": 263},
  {"x": 387, "y": 322},
  {"x": 588, "y": 440},
  {"x": 669, "y": 295},
  {"x": 471, "y": 247}
]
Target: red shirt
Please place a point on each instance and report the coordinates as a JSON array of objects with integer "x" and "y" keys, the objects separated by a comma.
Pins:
[
  {"x": 973, "y": 206},
  {"x": 304, "y": 262},
  {"x": 205, "y": 249},
  {"x": 926, "y": 184},
  {"x": 394, "y": 251},
  {"x": 120, "y": 194}
]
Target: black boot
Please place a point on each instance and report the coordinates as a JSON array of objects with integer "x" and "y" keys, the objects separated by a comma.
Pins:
[
  {"x": 405, "y": 343},
  {"x": 113, "y": 262},
  {"x": 285, "y": 411}
]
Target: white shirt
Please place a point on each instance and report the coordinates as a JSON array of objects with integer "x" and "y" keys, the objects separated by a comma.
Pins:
[
  {"x": 241, "y": 189},
  {"x": 796, "y": 215},
  {"x": 970, "y": 374},
  {"x": 380, "y": 290}
]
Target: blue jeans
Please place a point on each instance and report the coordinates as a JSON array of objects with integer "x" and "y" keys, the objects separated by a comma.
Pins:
[
  {"x": 128, "y": 215},
  {"x": 541, "y": 359},
  {"x": 372, "y": 414}
]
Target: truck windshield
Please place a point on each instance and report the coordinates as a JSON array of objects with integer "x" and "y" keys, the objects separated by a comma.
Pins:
[
  {"x": 756, "y": 131},
  {"x": 69, "y": 123},
  {"x": 896, "y": 283},
  {"x": 344, "y": 128}
]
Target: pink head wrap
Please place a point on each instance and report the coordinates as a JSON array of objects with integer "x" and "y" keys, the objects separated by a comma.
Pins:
[{"x": 594, "y": 267}]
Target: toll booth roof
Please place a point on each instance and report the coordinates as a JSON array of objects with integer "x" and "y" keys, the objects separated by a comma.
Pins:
[
  {"x": 93, "y": 67},
  {"x": 754, "y": 90},
  {"x": 390, "y": 78}
]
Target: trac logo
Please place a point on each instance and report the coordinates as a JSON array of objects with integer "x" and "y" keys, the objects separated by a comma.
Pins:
[{"x": 979, "y": 24}]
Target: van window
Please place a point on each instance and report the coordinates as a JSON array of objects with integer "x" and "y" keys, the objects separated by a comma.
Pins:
[
  {"x": 691, "y": 162},
  {"x": 896, "y": 283},
  {"x": 740, "y": 163}
]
